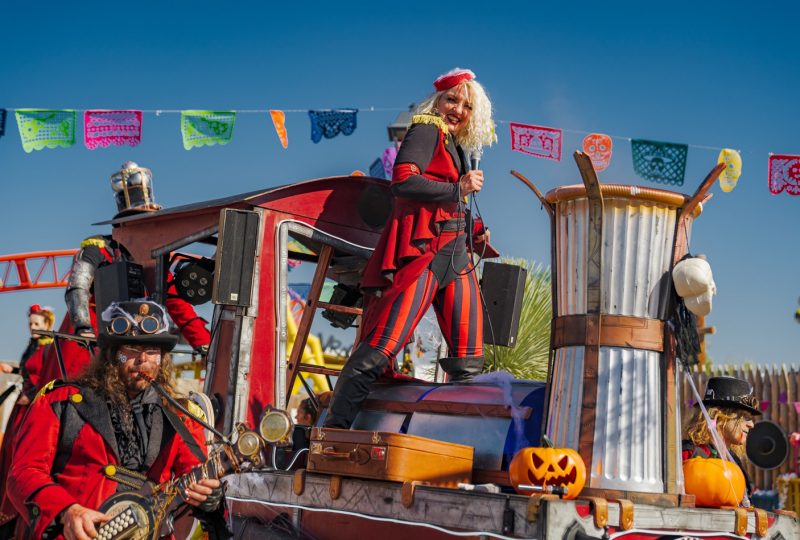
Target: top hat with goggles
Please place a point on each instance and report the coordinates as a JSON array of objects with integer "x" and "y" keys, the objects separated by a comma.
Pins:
[
  {"x": 731, "y": 393},
  {"x": 137, "y": 322}
]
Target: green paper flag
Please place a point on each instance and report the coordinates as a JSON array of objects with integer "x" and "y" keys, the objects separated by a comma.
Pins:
[
  {"x": 200, "y": 128},
  {"x": 46, "y": 128},
  {"x": 660, "y": 162}
]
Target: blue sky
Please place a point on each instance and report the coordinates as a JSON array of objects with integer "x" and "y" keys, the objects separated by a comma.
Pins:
[{"x": 702, "y": 73}]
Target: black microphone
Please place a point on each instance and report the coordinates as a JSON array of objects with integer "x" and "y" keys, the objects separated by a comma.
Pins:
[{"x": 474, "y": 162}]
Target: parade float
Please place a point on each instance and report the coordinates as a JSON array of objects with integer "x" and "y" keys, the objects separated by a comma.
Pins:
[{"x": 432, "y": 459}]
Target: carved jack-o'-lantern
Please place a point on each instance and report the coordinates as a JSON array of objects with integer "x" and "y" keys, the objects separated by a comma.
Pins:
[
  {"x": 598, "y": 147},
  {"x": 548, "y": 467},
  {"x": 713, "y": 482}
]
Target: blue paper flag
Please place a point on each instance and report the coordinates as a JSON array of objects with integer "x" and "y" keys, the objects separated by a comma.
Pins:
[
  {"x": 3, "y": 113},
  {"x": 330, "y": 122}
]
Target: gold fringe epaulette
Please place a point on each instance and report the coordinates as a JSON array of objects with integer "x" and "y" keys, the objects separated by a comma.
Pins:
[
  {"x": 93, "y": 241},
  {"x": 430, "y": 119},
  {"x": 195, "y": 409},
  {"x": 42, "y": 341}
]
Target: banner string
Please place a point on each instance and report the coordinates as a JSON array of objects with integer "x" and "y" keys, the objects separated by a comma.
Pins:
[{"x": 371, "y": 108}]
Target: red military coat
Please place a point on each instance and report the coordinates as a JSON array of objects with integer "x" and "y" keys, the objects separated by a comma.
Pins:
[
  {"x": 32, "y": 360},
  {"x": 406, "y": 246},
  {"x": 39, "y": 496}
]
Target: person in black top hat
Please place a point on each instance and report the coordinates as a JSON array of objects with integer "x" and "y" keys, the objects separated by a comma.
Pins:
[
  {"x": 85, "y": 440},
  {"x": 732, "y": 407}
]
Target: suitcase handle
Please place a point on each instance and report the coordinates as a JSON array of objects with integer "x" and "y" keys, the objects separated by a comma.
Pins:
[{"x": 356, "y": 455}]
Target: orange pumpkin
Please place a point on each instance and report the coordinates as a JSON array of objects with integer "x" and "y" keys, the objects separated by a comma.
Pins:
[
  {"x": 713, "y": 482},
  {"x": 548, "y": 467}
]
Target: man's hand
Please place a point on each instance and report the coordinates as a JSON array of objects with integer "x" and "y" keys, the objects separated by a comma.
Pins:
[
  {"x": 6, "y": 368},
  {"x": 472, "y": 181},
  {"x": 198, "y": 492},
  {"x": 79, "y": 522}
]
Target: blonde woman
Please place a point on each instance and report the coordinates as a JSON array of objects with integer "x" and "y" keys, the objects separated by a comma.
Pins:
[
  {"x": 731, "y": 407},
  {"x": 422, "y": 256}
]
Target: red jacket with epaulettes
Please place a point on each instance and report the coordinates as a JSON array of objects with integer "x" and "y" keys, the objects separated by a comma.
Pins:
[{"x": 40, "y": 494}]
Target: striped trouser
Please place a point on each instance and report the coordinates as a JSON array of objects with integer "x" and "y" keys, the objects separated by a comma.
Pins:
[{"x": 458, "y": 307}]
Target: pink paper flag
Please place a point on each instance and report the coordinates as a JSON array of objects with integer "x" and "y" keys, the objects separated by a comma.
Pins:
[
  {"x": 106, "y": 128},
  {"x": 763, "y": 405},
  {"x": 784, "y": 174},
  {"x": 539, "y": 141},
  {"x": 797, "y": 406}
]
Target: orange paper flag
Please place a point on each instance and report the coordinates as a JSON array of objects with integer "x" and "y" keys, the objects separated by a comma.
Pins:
[{"x": 279, "y": 119}]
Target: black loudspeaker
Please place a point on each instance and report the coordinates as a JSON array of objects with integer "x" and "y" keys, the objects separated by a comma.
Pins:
[
  {"x": 117, "y": 282},
  {"x": 503, "y": 287},
  {"x": 236, "y": 256},
  {"x": 767, "y": 445}
]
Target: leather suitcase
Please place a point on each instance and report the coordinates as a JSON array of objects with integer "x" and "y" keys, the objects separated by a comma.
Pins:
[{"x": 389, "y": 456}]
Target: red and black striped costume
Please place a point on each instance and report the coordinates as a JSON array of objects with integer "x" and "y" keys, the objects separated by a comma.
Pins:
[{"x": 420, "y": 260}]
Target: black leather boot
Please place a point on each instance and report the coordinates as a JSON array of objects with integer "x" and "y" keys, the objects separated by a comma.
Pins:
[
  {"x": 362, "y": 369},
  {"x": 461, "y": 369}
]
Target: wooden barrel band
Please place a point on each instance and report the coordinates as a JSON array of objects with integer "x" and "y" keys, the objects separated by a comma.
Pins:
[{"x": 615, "y": 331}]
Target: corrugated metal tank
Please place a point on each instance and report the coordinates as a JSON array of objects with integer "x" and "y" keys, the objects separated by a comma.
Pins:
[{"x": 638, "y": 228}]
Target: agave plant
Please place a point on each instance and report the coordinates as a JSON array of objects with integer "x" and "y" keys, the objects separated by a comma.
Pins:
[{"x": 528, "y": 358}]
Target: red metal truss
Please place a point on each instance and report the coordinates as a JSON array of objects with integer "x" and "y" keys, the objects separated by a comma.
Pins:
[{"x": 35, "y": 270}]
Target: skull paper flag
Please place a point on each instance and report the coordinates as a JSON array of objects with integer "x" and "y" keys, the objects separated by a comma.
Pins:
[
  {"x": 733, "y": 169},
  {"x": 539, "y": 141},
  {"x": 660, "y": 162},
  {"x": 201, "y": 128},
  {"x": 104, "y": 128},
  {"x": 279, "y": 121},
  {"x": 46, "y": 128},
  {"x": 784, "y": 174},
  {"x": 598, "y": 147}
]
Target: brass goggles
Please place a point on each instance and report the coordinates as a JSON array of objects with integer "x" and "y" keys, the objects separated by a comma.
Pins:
[{"x": 122, "y": 326}]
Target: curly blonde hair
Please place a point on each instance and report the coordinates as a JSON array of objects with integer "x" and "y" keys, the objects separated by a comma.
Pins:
[
  {"x": 480, "y": 130},
  {"x": 697, "y": 430}
]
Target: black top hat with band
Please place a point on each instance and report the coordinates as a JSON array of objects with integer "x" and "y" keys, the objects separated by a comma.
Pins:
[
  {"x": 137, "y": 322},
  {"x": 731, "y": 393}
]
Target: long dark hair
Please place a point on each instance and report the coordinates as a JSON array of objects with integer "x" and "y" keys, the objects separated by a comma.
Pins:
[{"x": 102, "y": 376}]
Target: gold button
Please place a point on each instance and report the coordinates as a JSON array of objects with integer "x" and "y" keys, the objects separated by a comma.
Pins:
[
  {"x": 110, "y": 470},
  {"x": 76, "y": 398}
]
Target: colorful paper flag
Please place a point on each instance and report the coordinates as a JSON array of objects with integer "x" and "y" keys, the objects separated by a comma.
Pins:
[
  {"x": 330, "y": 122},
  {"x": 732, "y": 171},
  {"x": 763, "y": 405},
  {"x": 3, "y": 114},
  {"x": 106, "y": 128},
  {"x": 660, "y": 162},
  {"x": 387, "y": 158},
  {"x": 279, "y": 121},
  {"x": 206, "y": 128},
  {"x": 797, "y": 407},
  {"x": 783, "y": 398},
  {"x": 598, "y": 147},
  {"x": 539, "y": 141},
  {"x": 784, "y": 174},
  {"x": 46, "y": 128}
]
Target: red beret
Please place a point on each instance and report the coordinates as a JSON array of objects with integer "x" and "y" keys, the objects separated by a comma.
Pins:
[{"x": 452, "y": 78}]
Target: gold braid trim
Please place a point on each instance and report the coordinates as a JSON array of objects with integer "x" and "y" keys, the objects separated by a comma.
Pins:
[
  {"x": 45, "y": 389},
  {"x": 99, "y": 242},
  {"x": 42, "y": 341},
  {"x": 430, "y": 119}
]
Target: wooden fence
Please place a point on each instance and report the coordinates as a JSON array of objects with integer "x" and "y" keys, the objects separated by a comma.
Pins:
[{"x": 778, "y": 389}]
